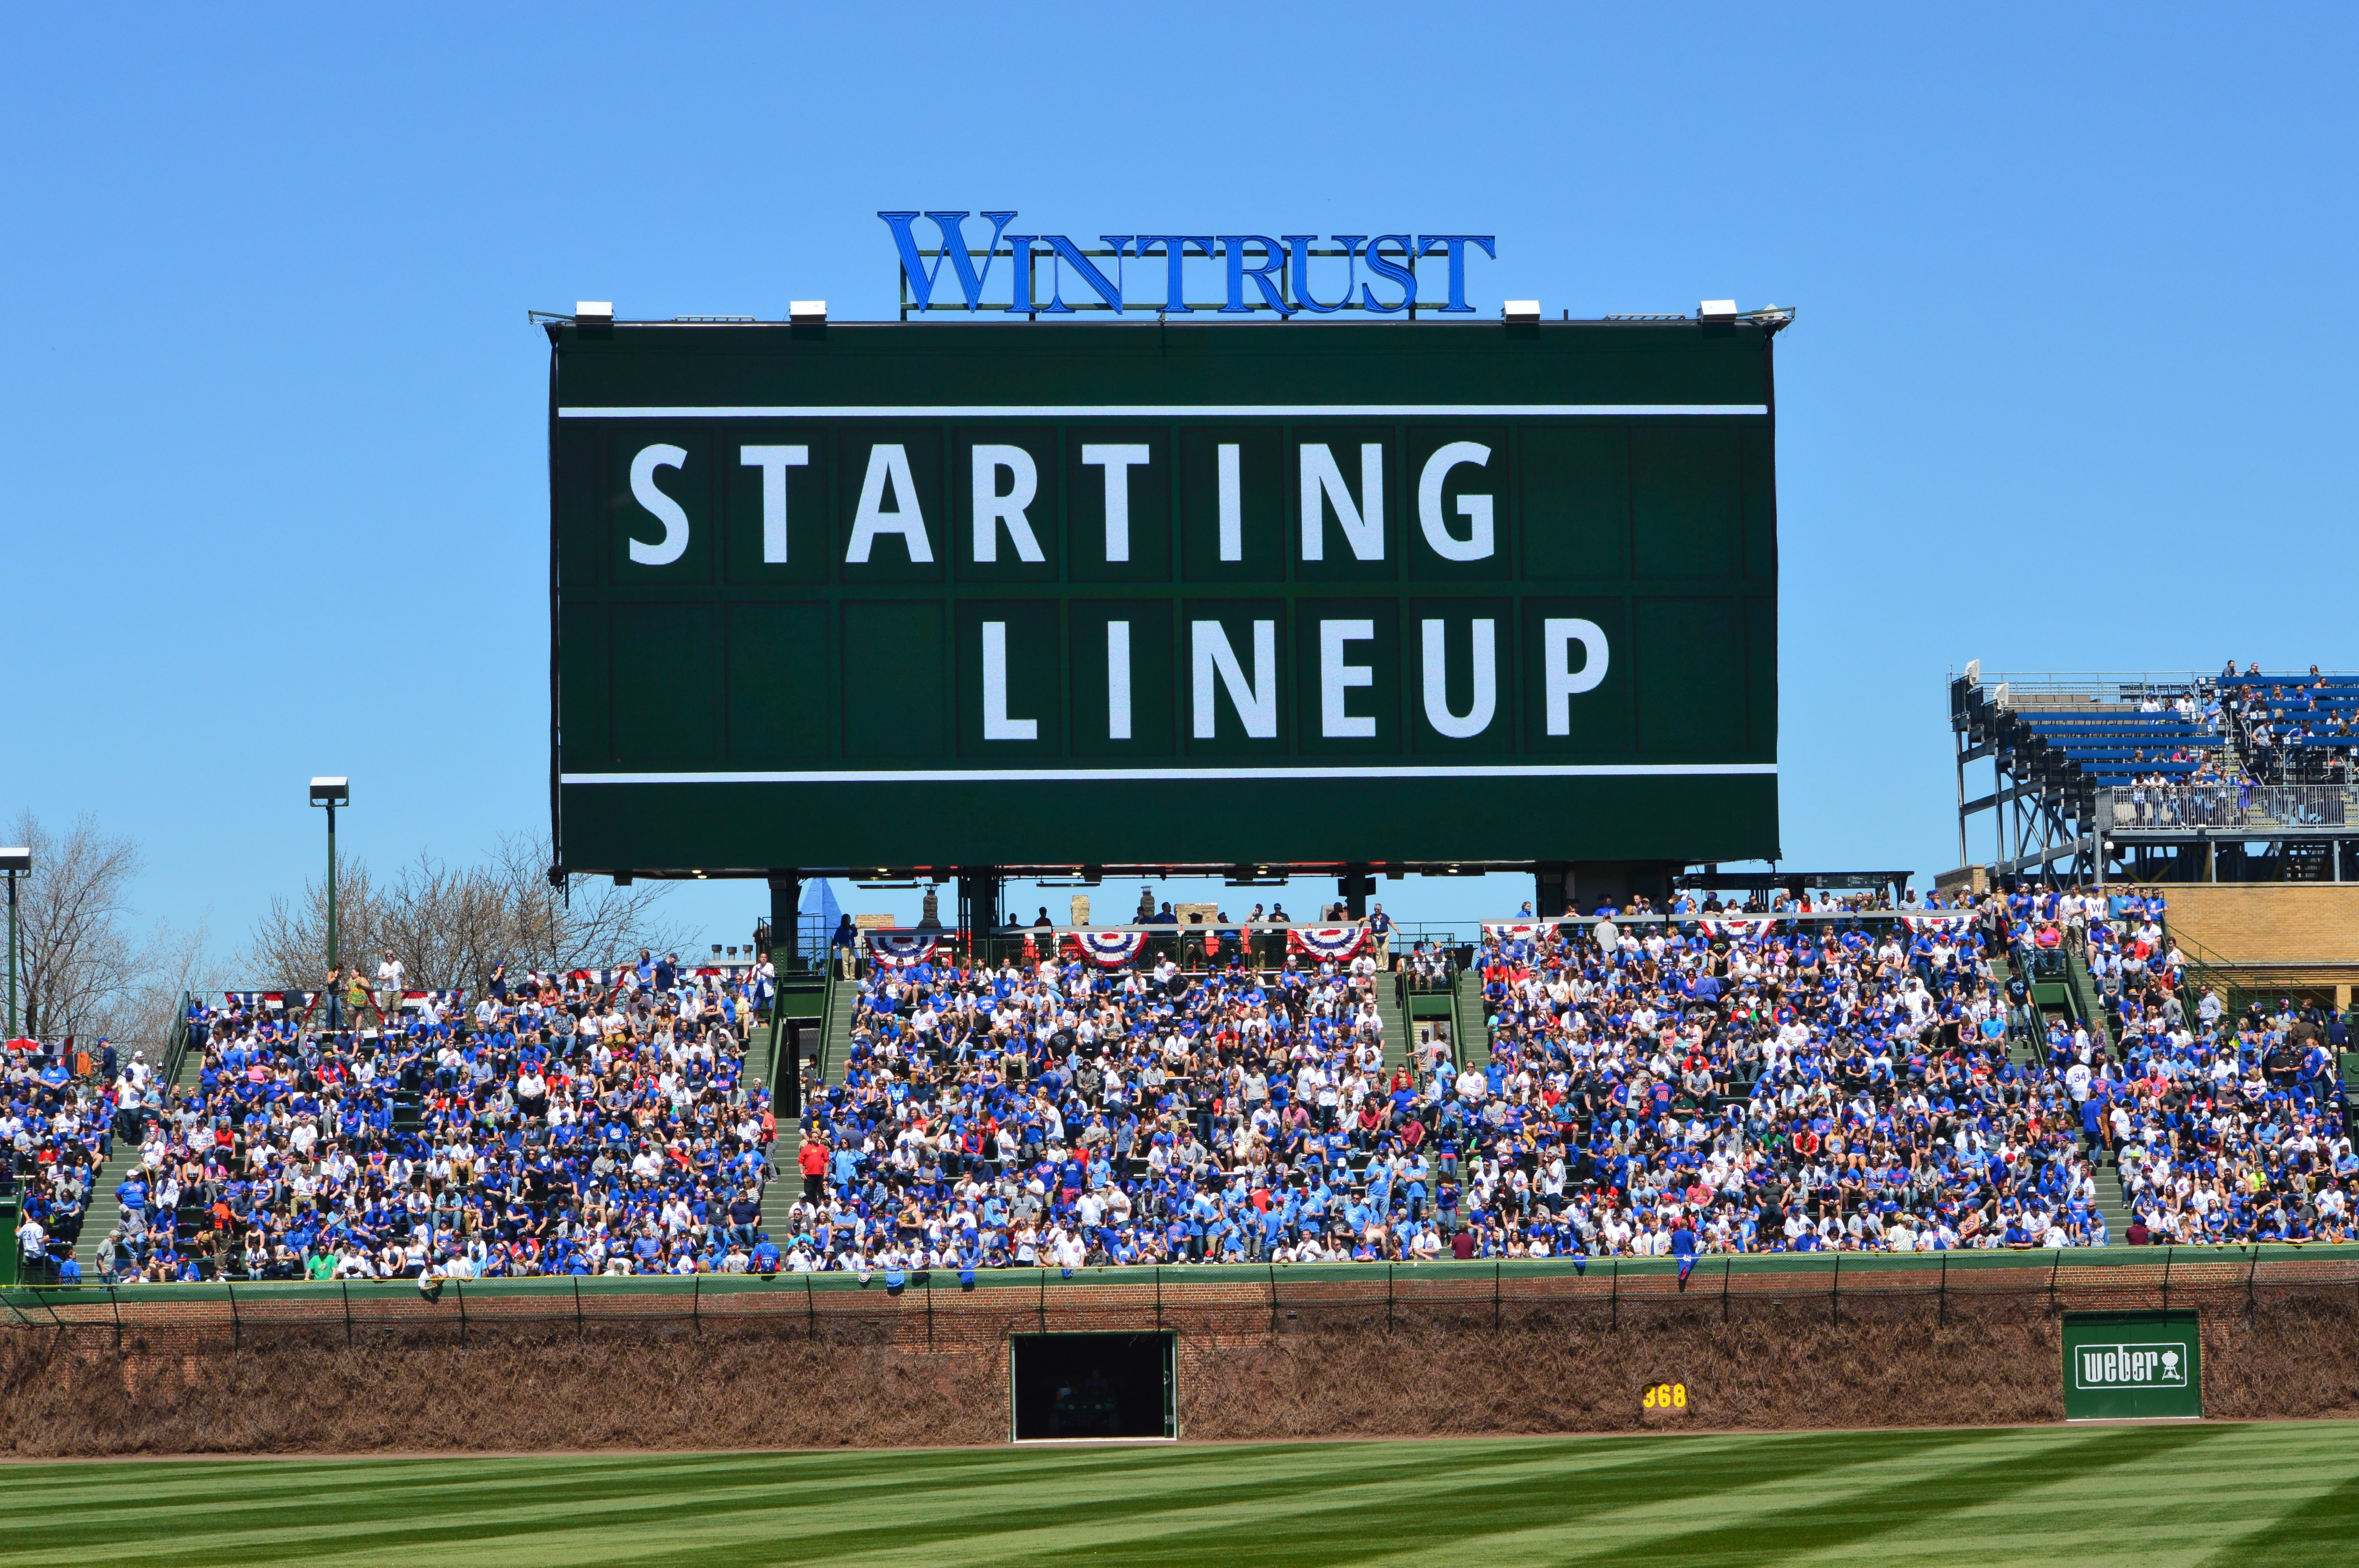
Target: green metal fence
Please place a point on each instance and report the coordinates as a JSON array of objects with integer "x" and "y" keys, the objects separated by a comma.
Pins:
[{"x": 943, "y": 1310}]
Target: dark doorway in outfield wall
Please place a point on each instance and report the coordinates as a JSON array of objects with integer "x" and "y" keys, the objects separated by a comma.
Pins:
[{"x": 1066, "y": 1386}]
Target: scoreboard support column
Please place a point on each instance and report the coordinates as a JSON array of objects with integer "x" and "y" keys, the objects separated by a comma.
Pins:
[
  {"x": 980, "y": 892},
  {"x": 785, "y": 920},
  {"x": 1357, "y": 885},
  {"x": 786, "y": 953},
  {"x": 1552, "y": 891}
]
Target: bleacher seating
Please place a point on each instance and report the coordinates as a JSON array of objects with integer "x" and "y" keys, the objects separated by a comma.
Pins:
[
  {"x": 1704, "y": 1080},
  {"x": 597, "y": 1121},
  {"x": 2294, "y": 729},
  {"x": 1709, "y": 1084}
]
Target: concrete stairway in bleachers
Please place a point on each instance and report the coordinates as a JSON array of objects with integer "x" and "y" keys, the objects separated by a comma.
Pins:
[
  {"x": 1473, "y": 1030},
  {"x": 103, "y": 1213},
  {"x": 1395, "y": 1017},
  {"x": 2112, "y": 1203},
  {"x": 2087, "y": 1000},
  {"x": 2019, "y": 1050},
  {"x": 835, "y": 1037}
]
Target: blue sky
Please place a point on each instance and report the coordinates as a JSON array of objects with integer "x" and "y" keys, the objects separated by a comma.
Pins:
[{"x": 2069, "y": 388}]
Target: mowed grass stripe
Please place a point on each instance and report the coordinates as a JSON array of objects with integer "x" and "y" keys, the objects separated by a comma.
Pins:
[
  {"x": 968, "y": 1522},
  {"x": 2322, "y": 1530},
  {"x": 2170, "y": 1510},
  {"x": 1506, "y": 1517},
  {"x": 1772, "y": 1475},
  {"x": 217, "y": 1496},
  {"x": 365, "y": 1522},
  {"x": 1261, "y": 1509},
  {"x": 1345, "y": 1511},
  {"x": 171, "y": 1495},
  {"x": 1852, "y": 1518},
  {"x": 254, "y": 1523},
  {"x": 2158, "y": 1497}
]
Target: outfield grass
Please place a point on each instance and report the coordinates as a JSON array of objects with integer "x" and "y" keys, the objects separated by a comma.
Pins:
[{"x": 2260, "y": 1496}]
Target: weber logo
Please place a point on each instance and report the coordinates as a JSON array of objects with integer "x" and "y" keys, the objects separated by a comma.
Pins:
[{"x": 2131, "y": 1367}]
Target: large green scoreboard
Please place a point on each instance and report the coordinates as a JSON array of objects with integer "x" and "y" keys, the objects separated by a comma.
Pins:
[{"x": 908, "y": 596}]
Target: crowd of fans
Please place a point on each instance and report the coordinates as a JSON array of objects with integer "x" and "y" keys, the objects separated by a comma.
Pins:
[
  {"x": 2291, "y": 729},
  {"x": 565, "y": 1124},
  {"x": 1695, "y": 1084},
  {"x": 1705, "y": 1079},
  {"x": 57, "y": 1125}
]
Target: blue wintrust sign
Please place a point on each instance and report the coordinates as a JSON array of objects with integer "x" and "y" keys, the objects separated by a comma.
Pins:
[{"x": 1376, "y": 273}]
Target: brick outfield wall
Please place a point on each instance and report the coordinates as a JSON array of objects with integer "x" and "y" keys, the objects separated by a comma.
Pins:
[
  {"x": 2270, "y": 925},
  {"x": 889, "y": 1372}
]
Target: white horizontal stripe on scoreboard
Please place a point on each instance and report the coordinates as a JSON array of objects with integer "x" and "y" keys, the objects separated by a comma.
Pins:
[
  {"x": 1181, "y": 411},
  {"x": 1101, "y": 775}
]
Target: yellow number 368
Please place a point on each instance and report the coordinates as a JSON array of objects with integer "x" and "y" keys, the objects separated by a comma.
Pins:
[{"x": 1665, "y": 1396}]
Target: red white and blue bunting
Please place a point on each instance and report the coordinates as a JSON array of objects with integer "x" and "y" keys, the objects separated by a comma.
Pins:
[
  {"x": 415, "y": 1001},
  {"x": 613, "y": 977},
  {"x": 275, "y": 1001},
  {"x": 1511, "y": 930},
  {"x": 1725, "y": 927},
  {"x": 1937, "y": 922},
  {"x": 1108, "y": 950},
  {"x": 1327, "y": 942},
  {"x": 901, "y": 952}
]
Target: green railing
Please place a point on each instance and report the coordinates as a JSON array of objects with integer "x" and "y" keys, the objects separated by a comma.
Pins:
[
  {"x": 176, "y": 1044},
  {"x": 231, "y": 1313}
]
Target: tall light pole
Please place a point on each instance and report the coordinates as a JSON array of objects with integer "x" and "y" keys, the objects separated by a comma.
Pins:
[
  {"x": 332, "y": 793},
  {"x": 14, "y": 861}
]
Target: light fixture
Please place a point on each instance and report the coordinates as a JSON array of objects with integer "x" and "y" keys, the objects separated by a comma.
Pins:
[
  {"x": 14, "y": 861},
  {"x": 1522, "y": 311},
  {"x": 1717, "y": 310},
  {"x": 332, "y": 793},
  {"x": 807, "y": 313},
  {"x": 592, "y": 311}
]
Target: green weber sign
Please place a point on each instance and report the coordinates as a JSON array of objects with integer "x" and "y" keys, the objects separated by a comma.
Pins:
[
  {"x": 2128, "y": 1364},
  {"x": 930, "y": 594}
]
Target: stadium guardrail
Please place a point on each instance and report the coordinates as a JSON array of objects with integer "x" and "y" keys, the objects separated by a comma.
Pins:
[
  {"x": 2267, "y": 807},
  {"x": 910, "y": 1307},
  {"x": 1195, "y": 946}
]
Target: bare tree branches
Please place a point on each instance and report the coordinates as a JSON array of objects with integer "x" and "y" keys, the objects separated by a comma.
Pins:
[
  {"x": 450, "y": 925},
  {"x": 290, "y": 945},
  {"x": 173, "y": 964},
  {"x": 82, "y": 974},
  {"x": 75, "y": 960}
]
